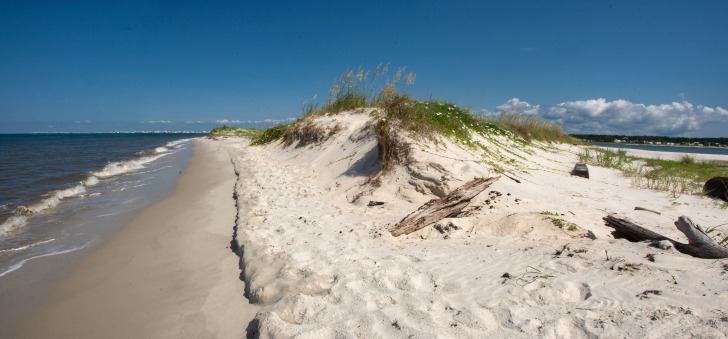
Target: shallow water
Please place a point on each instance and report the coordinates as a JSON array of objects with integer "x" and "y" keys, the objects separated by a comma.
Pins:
[{"x": 62, "y": 193}]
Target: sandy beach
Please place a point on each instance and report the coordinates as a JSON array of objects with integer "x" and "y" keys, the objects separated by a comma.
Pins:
[
  {"x": 312, "y": 257},
  {"x": 322, "y": 263},
  {"x": 168, "y": 273}
]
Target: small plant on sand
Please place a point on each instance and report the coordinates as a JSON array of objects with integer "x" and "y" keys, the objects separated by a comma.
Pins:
[
  {"x": 688, "y": 159},
  {"x": 532, "y": 274}
]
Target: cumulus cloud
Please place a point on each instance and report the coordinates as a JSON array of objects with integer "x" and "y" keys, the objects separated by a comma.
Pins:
[
  {"x": 624, "y": 117},
  {"x": 157, "y": 122},
  {"x": 516, "y": 105}
]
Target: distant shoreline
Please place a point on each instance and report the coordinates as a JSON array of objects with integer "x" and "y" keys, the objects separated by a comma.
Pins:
[{"x": 652, "y": 145}]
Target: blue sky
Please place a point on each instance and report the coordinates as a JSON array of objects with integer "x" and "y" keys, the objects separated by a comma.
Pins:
[{"x": 633, "y": 67}]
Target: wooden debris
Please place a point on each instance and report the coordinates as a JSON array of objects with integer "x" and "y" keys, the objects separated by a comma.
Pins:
[
  {"x": 580, "y": 170},
  {"x": 699, "y": 244},
  {"x": 375, "y": 203},
  {"x": 648, "y": 210},
  {"x": 436, "y": 209},
  {"x": 716, "y": 187}
]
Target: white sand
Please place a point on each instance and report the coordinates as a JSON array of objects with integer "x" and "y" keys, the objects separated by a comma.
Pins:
[{"x": 322, "y": 264}]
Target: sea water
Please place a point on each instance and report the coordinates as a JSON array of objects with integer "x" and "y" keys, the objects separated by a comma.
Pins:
[
  {"x": 63, "y": 192},
  {"x": 665, "y": 148}
]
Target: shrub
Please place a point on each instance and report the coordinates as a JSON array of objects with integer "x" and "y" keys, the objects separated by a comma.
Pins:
[
  {"x": 227, "y": 131},
  {"x": 272, "y": 134}
]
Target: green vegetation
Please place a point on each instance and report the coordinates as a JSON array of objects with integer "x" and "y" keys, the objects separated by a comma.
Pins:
[
  {"x": 396, "y": 112},
  {"x": 272, "y": 134},
  {"x": 606, "y": 158},
  {"x": 531, "y": 127},
  {"x": 227, "y": 131},
  {"x": 685, "y": 176}
]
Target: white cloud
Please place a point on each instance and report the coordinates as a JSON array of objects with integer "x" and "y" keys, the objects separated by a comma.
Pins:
[
  {"x": 83, "y": 121},
  {"x": 226, "y": 121},
  {"x": 599, "y": 116},
  {"x": 516, "y": 105},
  {"x": 158, "y": 122}
]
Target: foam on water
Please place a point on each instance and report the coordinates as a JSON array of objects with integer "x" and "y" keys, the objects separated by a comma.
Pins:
[
  {"x": 123, "y": 167},
  {"x": 178, "y": 143},
  {"x": 24, "y": 247},
  {"x": 53, "y": 200},
  {"x": 68, "y": 250},
  {"x": 12, "y": 223},
  {"x": 112, "y": 169}
]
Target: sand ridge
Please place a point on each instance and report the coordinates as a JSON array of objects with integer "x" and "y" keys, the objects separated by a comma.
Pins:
[{"x": 322, "y": 264}]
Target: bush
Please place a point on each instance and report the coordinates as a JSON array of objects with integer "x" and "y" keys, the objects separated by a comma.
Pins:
[{"x": 272, "y": 134}]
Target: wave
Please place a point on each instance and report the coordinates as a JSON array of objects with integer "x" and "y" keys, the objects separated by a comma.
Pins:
[
  {"x": 20, "y": 248},
  {"x": 178, "y": 143},
  {"x": 53, "y": 200},
  {"x": 123, "y": 167},
  {"x": 22, "y": 262},
  {"x": 12, "y": 223}
]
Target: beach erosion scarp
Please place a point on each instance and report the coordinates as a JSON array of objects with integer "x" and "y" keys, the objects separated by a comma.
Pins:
[{"x": 321, "y": 262}]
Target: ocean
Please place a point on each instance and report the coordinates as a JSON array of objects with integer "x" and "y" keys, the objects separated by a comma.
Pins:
[
  {"x": 60, "y": 193},
  {"x": 662, "y": 148}
]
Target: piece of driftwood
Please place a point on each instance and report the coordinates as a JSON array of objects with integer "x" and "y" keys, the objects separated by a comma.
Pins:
[
  {"x": 716, "y": 187},
  {"x": 699, "y": 245},
  {"x": 436, "y": 209},
  {"x": 645, "y": 209},
  {"x": 580, "y": 170},
  {"x": 375, "y": 203}
]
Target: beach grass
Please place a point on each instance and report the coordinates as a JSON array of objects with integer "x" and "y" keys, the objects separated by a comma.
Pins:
[
  {"x": 531, "y": 127},
  {"x": 684, "y": 176},
  {"x": 396, "y": 111}
]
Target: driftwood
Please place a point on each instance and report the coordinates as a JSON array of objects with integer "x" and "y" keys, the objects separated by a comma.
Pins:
[
  {"x": 699, "y": 245},
  {"x": 645, "y": 209},
  {"x": 436, "y": 209},
  {"x": 580, "y": 170},
  {"x": 716, "y": 187}
]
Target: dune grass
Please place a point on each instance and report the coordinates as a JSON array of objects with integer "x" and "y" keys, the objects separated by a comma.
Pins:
[
  {"x": 227, "y": 131},
  {"x": 684, "y": 176},
  {"x": 396, "y": 112},
  {"x": 531, "y": 127}
]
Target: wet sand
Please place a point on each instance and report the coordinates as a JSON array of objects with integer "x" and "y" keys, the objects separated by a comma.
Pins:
[{"x": 168, "y": 273}]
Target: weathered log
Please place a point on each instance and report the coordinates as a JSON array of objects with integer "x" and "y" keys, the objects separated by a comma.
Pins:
[
  {"x": 580, "y": 170},
  {"x": 716, "y": 187},
  {"x": 699, "y": 244},
  {"x": 437, "y": 209}
]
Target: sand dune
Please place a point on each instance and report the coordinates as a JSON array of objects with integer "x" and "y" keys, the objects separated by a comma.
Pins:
[{"x": 322, "y": 264}]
